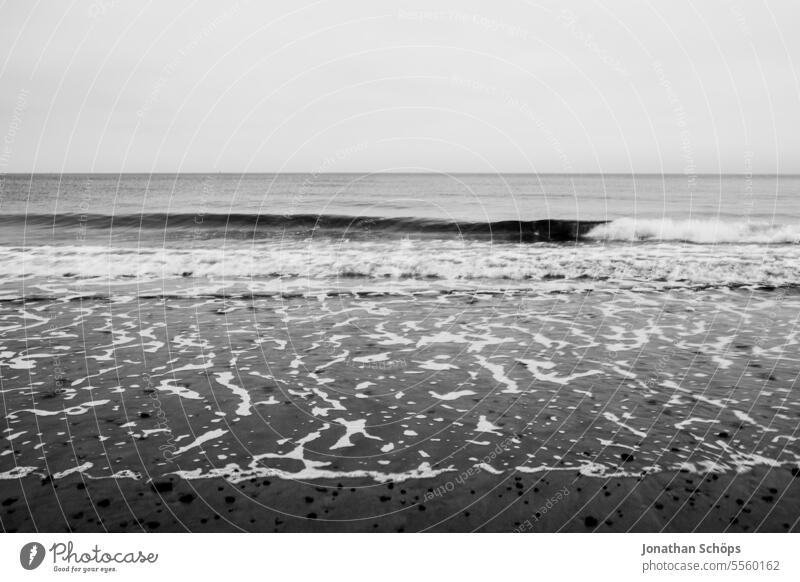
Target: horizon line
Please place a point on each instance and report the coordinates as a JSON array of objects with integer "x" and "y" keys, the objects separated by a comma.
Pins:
[{"x": 378, "y": 173}]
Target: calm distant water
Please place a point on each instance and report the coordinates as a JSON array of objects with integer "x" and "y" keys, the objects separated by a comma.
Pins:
[
  {"x": 321, "y": 232},
  {"x": 464, "y": 197}
]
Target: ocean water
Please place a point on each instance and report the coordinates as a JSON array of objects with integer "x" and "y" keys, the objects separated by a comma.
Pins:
[
  {"x": 286, "y": 233},
  {"x": 367, "y": 330}
]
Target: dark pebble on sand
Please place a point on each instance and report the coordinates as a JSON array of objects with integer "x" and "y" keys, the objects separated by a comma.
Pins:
[
  {"x": 724, "y": 434},
  {"x": 104, "y": 503},
  {"x": 186, "y": 498},
  {"x": 626, "y": 457},
  {"x": 385, "y": 498},
  {"x": 230, "y": 499},
  {"x": 144, "y": 415},
  {"x": 8, "y": 501},
  {"x": 590, "y": 521},
  {"x": 312, "y": 515},
  {"x": 161, "y": 486}
]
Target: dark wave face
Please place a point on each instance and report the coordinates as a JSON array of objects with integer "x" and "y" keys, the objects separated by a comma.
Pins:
[
  {"x": 258, "y": 226},
  {"x": 158, "y": 228}
]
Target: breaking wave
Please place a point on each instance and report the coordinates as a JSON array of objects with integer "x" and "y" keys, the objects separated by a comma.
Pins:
[
  {"x": 415, "y": 260},
  {"x": 694, "y": 231}
]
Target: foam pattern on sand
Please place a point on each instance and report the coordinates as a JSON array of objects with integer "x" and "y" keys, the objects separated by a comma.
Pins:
[{"x": 392, "y": 389}]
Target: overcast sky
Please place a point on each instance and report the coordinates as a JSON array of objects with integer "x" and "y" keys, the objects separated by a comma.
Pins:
[{"x": 513, "y": 86}]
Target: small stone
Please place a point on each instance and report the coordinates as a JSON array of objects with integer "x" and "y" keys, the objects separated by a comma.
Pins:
[{"x": 161, "y": 486}]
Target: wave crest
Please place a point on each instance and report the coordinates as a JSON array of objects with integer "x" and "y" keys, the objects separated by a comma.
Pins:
[{"x": 694, "y": 231}]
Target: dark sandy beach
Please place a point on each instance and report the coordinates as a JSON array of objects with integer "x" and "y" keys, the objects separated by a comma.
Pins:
[{"x": 619, "y": 410}]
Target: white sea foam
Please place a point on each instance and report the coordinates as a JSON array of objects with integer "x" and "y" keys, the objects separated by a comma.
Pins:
[
  {"x": 316, "y": 267},
  {"x": 451, "y": 395},
  {"x": 226, "y": 379},
  {"x": 170, "y": 387},
  {"x": 535, "y": 367},
  {"x": 616, "y": 420},
  {"x": 16, "y": 473},
  {"x": 312, "y": 470},
  {"x": 499, "y": 375},
  {"x": 70, "y": 411},
  {"x": 210, "y": 435},
  {"x": 485, "y": 426},
  {"x": 695, "y": 231},
  {"x": 352, "y": 427},
  {"x": 77, "y": 469}
]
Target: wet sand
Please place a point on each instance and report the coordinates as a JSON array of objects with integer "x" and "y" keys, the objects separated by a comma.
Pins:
[
  {"x": 762, "y": 500},
  {"x": 612, "y": 411}
]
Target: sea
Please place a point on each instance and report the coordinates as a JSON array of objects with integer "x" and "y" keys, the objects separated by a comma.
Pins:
[
  {"x": 302, "y": 343},
  {"x": 289, "y": 233}
]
